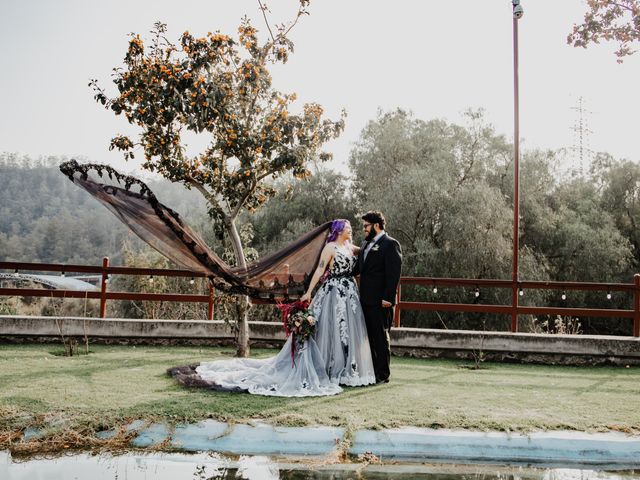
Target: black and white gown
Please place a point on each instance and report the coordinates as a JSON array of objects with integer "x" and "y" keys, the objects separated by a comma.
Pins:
[{"x": 337, "y": 354}]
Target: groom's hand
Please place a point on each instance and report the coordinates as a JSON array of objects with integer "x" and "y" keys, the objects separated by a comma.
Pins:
[{"x": 386, "y": 304}]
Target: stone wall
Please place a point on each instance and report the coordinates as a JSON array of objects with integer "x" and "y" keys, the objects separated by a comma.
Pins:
[{"x": 425, "y": 343}]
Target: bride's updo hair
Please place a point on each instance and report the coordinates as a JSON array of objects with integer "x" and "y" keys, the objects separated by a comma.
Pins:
[{"x": 337, "y": 226}]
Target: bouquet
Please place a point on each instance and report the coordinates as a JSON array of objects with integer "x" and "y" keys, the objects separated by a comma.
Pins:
[{"x": 298, "y": 321}]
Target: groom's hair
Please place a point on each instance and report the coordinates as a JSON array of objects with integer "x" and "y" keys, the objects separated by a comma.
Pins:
[{"x": 374, "y": 216}]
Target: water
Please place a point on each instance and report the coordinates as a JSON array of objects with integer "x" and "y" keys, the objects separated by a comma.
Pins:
[{"x": 213, "y": 466}]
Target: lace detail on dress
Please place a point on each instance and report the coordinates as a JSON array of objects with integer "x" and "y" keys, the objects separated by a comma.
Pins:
[
  {"x": 342, "y": 336},
  {"x": 343, "y": 262},
  {"x": 337, "y": 354},
  {"x": 344, "y": 286}
]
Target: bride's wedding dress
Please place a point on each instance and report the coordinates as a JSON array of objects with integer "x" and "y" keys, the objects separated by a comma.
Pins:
[{"x": 337, "y": 354}]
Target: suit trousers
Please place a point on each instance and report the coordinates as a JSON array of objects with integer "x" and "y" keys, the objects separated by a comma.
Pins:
[{"x": 378, "y": 320}]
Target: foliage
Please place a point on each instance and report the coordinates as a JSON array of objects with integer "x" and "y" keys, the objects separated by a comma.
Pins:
[
  {"x": 301, "y": 324},
  {"x": 218, "y": 87},
  {"x": 8, "y": 306},
  {"x": 210, "y": 85},
  {"x": 44, "y": 218},
  {"x": 585, "y": 242},
  {"x": 447, "y": 192},
  {"x": 434, "y": 183},
  {"x": 561, "y": 325},
  {"x": 620, "y": 196},
  {"x": 300, "y": 207},
  {"x": 610, "y": 20}
]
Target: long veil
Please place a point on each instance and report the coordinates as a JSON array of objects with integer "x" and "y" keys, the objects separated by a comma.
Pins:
[{"x": 283, "y": 274}]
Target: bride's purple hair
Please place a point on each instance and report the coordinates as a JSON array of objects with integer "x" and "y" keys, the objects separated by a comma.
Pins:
[{"x": 337, "y": 226}]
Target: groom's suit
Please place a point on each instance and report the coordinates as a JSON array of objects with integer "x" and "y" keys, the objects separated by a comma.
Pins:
[{"x": 379, "y": 278}]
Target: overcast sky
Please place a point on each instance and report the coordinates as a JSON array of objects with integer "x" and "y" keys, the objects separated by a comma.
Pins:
[{"x": 435, "y": 58}]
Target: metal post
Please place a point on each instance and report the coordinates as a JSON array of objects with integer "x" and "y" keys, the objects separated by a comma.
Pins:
[
  {"x": 516, "y": 171},
  {"x": 103, "y": 287}
]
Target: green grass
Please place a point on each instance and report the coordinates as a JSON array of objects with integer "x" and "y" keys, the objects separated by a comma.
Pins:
[{"x": 114, "y": 384}]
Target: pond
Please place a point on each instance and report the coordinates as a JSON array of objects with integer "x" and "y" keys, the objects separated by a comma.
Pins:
[{"x": 212, "y": 466}]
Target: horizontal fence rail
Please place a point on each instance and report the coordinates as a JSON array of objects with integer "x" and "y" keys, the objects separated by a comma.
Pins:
[
  {"x": 513, "y": 309},
  {"x": 106, "y": 271}
]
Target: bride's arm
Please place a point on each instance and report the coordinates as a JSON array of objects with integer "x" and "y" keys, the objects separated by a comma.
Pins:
[
  {"x": 355, "y": 249},
  {"x": 325, "y": 258}
]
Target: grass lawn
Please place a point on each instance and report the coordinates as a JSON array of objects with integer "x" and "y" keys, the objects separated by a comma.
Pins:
[{"x": 114, "y": 384}]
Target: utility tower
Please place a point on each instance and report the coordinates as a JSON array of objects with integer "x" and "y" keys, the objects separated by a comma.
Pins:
[{"x": 582, "y": 155}]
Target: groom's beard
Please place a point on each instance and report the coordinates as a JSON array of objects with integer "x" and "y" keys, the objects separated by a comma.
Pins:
[{"x": 371, "y": 235}]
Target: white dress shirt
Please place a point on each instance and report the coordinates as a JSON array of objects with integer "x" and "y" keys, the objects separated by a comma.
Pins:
[{"x": 372, "y": 243}]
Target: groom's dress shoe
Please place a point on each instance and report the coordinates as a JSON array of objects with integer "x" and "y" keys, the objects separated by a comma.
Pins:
[{"x": 378, "y": 382}]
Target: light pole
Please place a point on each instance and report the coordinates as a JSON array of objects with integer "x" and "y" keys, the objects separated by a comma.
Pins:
[{"x": 517, "y": 15}]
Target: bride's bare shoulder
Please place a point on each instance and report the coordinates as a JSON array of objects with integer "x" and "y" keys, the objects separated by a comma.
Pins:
[{"x": 329, "y": 247}]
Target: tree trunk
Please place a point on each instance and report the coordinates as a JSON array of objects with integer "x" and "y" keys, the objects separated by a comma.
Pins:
[
  {"x": 242, "y": 322},
  {"x": 242, "y": 347}
]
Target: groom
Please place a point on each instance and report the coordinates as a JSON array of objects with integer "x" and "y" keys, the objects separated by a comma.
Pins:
[{"x": 379, "y": 265}]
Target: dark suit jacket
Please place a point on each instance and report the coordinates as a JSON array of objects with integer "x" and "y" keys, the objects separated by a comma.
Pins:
[{"x": 380, "y": 273}]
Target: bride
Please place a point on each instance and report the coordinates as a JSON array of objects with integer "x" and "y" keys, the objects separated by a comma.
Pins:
[{"x": 337, "y": 354}]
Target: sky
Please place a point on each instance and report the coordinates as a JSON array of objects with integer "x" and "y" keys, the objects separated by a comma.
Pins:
[{"x": 434, "y": 58}]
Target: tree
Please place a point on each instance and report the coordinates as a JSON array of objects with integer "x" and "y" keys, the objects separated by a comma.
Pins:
[
  {"x": 436, "y": 183},
  {"x": 617, "y": 20},
  {"x": 585, "y": 244},
  {"x": 396, "y": 141},
  {"x": 621, "y": 198},
  {"x": 296, "y": 209},
  {"x": 222, "y": 88}
]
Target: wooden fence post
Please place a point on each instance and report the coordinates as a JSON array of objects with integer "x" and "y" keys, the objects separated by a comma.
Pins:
[
  {"x": 514, "y": 306},
  {"x": 103, "y": 287},
  {"x": 636, "y": 306},
  {"x": 396, "y": 313}
]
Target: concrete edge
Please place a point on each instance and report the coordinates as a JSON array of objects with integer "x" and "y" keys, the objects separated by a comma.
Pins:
[{"x": 557, "y": 448}]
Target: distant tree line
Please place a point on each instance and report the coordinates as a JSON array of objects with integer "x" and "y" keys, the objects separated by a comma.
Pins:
[{"x": 45, "y": 218}]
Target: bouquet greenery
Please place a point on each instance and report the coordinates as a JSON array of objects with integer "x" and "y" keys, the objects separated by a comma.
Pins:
[{"x": 298, "y": 321}]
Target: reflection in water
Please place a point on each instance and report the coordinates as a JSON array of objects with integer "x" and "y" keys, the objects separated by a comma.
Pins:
[
  {"x": 246, "y": 467},
  {"x": 213, "y": 466}
]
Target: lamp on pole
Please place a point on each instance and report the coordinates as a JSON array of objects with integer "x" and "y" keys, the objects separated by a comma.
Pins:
[{"x": 517, "y": 15}]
